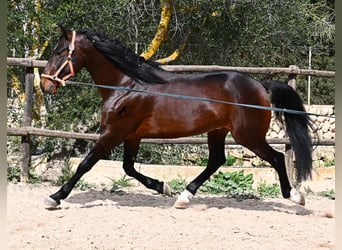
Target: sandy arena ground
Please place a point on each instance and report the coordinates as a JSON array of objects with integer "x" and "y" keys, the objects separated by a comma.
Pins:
[{"x": 139, "y": 219}]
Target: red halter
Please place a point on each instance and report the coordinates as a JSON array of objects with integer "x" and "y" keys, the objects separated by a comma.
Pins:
[{"x": 67, "y": 62}]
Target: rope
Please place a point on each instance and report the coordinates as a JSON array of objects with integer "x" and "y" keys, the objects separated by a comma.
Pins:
[{"x": 186, "y": 97}]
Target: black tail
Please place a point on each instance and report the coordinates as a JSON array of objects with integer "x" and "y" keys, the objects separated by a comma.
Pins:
[{"x": 297, "y": 125}]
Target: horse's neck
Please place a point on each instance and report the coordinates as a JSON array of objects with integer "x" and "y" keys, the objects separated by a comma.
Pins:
[{"x": 104, "y": 72}]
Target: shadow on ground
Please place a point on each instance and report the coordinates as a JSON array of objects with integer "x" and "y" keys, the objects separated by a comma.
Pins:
[{"x": 91, "y": 198}]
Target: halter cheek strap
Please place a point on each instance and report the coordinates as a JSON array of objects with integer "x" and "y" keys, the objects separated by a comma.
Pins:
[{"x": 67, "y": 62}]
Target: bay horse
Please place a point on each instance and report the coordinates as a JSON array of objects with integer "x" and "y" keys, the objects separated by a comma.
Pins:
[{"x": 129, "y": 116}]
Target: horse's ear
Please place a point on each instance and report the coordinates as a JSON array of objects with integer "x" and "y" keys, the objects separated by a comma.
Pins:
[{"x": 64, "y": 31}]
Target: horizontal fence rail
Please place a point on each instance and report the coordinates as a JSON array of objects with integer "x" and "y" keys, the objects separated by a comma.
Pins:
[
  {"x": 29, "y": 62},
  {"x": 251, "y": 70},
  {"x": 27, "y": 130}
]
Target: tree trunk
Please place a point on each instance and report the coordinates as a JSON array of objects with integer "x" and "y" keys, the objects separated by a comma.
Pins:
[{"x": 161, "y": 31}]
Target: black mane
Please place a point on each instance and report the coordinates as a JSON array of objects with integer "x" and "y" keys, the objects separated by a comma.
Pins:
[{"x": 124, "y": 58}]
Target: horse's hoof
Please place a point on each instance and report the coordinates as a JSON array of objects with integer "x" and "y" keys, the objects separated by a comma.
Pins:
[
  {"x": 166, "y": 190},
  {"x": 51, "y": 203},
  {"x": 183, "y": 200},
  {"x": 296, "y": 197}
]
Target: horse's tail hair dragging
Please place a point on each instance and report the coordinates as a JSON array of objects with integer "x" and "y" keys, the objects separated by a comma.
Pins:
[{"x": 297, "y": 125}]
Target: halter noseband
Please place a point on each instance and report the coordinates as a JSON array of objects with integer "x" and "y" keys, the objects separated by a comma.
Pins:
[{"x": 67, "y": 62}]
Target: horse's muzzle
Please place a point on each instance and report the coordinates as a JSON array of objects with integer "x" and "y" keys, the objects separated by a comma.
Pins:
[{"x": 47, "y": 86}]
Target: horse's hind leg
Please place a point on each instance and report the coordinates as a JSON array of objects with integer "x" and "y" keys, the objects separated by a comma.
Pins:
[
  {"x": 261, "y": 148},
  {"x": 130, "y": 152},
  {"x": 217, "y": 157}
]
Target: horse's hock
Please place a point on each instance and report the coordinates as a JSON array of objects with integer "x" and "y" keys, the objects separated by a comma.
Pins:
[{"x": 324, "y": 129}]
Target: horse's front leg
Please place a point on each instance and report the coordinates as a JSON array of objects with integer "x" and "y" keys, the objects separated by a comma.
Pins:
[
  {"x": 217, "y": 157},
  {"x": 88, "y": 162},
  {"x": 130, "y": 152},
  {"x": 107, "y": 140}
]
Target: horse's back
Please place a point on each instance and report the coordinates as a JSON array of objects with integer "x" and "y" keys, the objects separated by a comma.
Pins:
[
  {"x": 206, "y": 102},
  {"x": 235, "y": 86},
  {"x": 238, "y": 88}
]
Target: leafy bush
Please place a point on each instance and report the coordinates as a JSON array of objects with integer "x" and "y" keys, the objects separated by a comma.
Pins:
[
  {"x": 120, "y": 183},
  {"x": 235, "y": 184},
  {"x": 230, "y": 161},
  {"x": 228, "y": 181},
  {"x": 67, "y": 173},
  {"x": 177, "y": 185},
  {"x": 13, "y": 175},
  {"x": 268, "y": 190},
  {"x": 328, "y": 193}
]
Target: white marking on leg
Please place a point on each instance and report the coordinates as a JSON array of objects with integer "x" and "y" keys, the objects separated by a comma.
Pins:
[
  {"x": 166, "y": 190},
  {"x": 296, "y": 197},
  {"x": 50, "y": 203},
  {"x": 183, "y": 200}
]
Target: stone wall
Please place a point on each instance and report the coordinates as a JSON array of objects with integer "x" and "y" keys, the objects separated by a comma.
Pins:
[{"x": 324, "y": 126}]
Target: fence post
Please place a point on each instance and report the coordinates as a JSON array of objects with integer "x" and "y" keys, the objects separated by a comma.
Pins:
[
  {"x": 292, "y": 77},
  {"x": 288, "y": 148},
  {"x": 27, "y": 118}
]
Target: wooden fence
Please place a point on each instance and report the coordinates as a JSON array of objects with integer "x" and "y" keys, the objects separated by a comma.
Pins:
[{"x": 26, "y": 130}]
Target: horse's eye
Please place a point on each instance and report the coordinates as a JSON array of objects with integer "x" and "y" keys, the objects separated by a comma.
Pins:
[{"x": 58, "y": 49}]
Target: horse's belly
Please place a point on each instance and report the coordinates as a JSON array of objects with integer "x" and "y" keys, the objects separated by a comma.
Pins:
[{"x": 168, "y": 125}]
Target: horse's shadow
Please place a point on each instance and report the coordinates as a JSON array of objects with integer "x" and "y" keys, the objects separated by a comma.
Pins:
[{"x": 92, "y": 198}]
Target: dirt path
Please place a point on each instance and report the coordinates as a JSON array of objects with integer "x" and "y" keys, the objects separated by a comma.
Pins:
[{"x": 138, "y": 219}]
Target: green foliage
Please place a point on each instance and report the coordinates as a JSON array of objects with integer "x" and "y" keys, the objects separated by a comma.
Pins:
[
  {"x": 267, "y": 33},
  {"x": 235, "y": 184},
  {"x": 120, "y": 183},
  {"x": 202, "y": 161},
  {"x": 33, "y": 177},
  {"x": 230, "y": 161},
  {"x": 13, "y": 175},
  {"x": 241, "y": 195},
  {"x": 328, "y": 193},
  {"x": 67, "y": 173},
  {"x": 308, "y": 190},
  {"x": 329, "y": 163},
  {"x": 177, "y": 185},
  {"x": 61, "y": 115},
  {"x": 227, "y": 33},
  {"x": 268, "y": 190}
]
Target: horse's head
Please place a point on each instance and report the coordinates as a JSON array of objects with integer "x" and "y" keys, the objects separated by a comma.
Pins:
[{"x": 63, "y": 64}]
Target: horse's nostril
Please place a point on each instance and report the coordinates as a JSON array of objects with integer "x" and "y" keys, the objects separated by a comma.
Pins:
[
  {"x": 47, "y": 86},
  {"x": 50, "y": 90}
]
